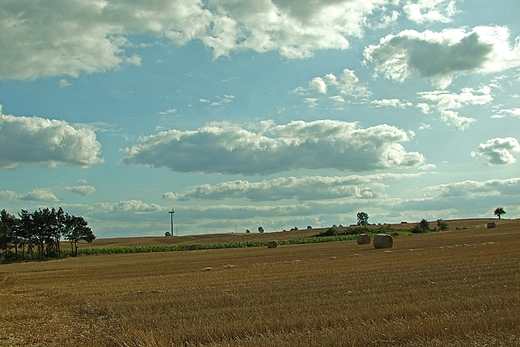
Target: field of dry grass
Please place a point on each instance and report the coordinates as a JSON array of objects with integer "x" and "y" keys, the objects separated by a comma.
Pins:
[{"x": 455, "y": 288}]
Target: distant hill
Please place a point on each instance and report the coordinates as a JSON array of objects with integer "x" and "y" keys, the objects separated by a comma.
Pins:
[{"x": 268, "y": 236}]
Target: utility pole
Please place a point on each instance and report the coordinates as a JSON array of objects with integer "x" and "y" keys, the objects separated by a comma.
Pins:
[{"x": 171, "y": 219}]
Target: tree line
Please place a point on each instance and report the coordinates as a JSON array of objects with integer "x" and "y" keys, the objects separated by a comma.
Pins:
[{"x": 38, "y": 234}]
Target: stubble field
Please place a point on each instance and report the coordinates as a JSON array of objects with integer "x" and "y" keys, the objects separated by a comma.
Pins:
[{"x": 455, "y": 288}]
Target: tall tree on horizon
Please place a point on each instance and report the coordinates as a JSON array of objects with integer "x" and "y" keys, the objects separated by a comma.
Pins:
[{"x": 499, "y": 211}]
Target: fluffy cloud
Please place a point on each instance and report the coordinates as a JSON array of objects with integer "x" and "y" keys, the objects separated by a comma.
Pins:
[
  {"x": 9, "y": 195},
  {"x": 454, "y": 119},
  {"x": 230, "y": 149},
  {"x": 305, "y": 188},
  {"x": 34, "y": 140},
  {"x": 125, "y": 206},
  {"x": 498, "y": 151},
  {"x": 446, "y": 102},
  {"x": 515, "y": 112},
  {"x": 430, "y": 10},
  {"x": 472, "y": 188},
  {"x": 391, "y": 103},
  {"x": 451, "y": 101},
  {"x": 442, "y": 55},
  {"x": 82, "y": 190},
  {"x": 40, "y": 194},
  {"x": 347, "y": 84},
  {"x": 59, "y": 37}
]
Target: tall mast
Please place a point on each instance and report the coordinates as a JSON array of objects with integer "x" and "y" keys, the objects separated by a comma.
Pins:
[{"x": 171, "y": 219}]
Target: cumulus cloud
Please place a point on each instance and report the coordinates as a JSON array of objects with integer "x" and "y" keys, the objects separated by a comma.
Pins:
[
  {"x": 9, "y": 195},
  {"x": 82, "y": 190},
  {"x": 471, "y": 188},
  {"x": 305, "y": 188},
  {"x": 430, "y": 10},
  {"x": 452, "y": 118},
  {"x": 397, "y": 103},
  {"x": 443, "y": 55},
  {"x": 59, "y": 37},
  {"x": 515, "y": 112},
  {"x": 133, "y": 206},
  {"x": 346, "y": 84},
  {"x": 35, "y": 140},
  {"x": 498, "y": 151},
  {"x": 444, "y": 100},
  {"x": 231, "y": 149},
  {"x": 40, "y": 194}
]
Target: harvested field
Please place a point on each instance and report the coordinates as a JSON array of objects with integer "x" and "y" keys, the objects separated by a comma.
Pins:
[{"x": 455, "y": 288}]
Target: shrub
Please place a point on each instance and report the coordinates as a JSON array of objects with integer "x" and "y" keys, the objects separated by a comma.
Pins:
[
  {"x": 424, "y": 225},
  {"x": 443, "y": 226},
  {"x": 330, "y": 232}
]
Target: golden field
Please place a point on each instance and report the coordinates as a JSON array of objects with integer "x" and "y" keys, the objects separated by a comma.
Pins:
[{"x": 454, "y": 288}]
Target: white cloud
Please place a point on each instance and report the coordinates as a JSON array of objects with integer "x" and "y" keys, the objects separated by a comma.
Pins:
[
  {"x": 472, "y": 188},
  {"x": 445, "y": 103},
  {"x": 34, "y": 140},
  {"x": 424, "y": 107},
  {"x": 169, "y": 111},
  {"x": 287, "y": 188},
  {"x": 337, "y": 99},
  {"x": 391, "y": 103},
  {"x": 63, "y": 83},
  {"x": 511, "y": 112},
  {"x": 40, "y": 194},
  {"x": 229, "y": 148},
  {"x": 498, "y": 151},
  {"x": 347, "y": 84},
  {"x": 443, "y": 55},
  {"x": 58, "y": 37},
  {"x": 452, "y": 118},
  {"x": 124, "y": 206},
  {"x": 82, "y": 190},
  {"x": 318, "y": 84},
  {"x": 311, "y": 102},
  {"x": 430, "y": 10},
  {"x": 451, "y": 101},
  {"x": 222, "y": 100},
  {"x": 9, "y": 195}
]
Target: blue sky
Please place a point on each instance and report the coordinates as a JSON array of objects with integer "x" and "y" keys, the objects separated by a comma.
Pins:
[{"x": 240, "y": 114}]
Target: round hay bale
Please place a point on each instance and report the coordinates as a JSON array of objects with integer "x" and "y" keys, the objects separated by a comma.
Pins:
[
  {"x": 272, "y": 244},
  {"x": 491, "y": 225},
  {"x": 363, "y": 239},
  {"x": 192, "y": 247},
  {"x": 383, "y": 241}
]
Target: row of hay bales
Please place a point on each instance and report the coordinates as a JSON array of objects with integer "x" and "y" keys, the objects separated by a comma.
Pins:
[{"x": 380, "y": 240}]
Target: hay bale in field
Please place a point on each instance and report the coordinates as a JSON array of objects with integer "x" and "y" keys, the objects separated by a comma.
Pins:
[
  {"x": 363, "y": 239},
  {"x": 383, "y": 241},
  {"x": 272, "y": 244},
  {"x": 192, "y": 247},
  {"x": 491, "y": 225}
]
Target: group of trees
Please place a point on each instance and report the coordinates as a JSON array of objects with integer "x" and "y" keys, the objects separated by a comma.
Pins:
[{"x": 39, "y": 233}]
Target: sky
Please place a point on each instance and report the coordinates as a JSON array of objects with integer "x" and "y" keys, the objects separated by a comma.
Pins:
[{"x": 273, "y": 113}]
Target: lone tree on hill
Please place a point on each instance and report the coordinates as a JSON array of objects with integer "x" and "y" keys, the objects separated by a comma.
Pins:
[
  {"x": 362, "y": 218},
  {"x": 260, "y": 230},
  {"x": 499, "y": 211}
]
